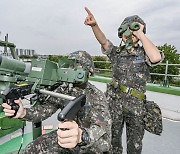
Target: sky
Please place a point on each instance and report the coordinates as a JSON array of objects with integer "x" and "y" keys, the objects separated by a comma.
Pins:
[{"x": 57, "y": 27}]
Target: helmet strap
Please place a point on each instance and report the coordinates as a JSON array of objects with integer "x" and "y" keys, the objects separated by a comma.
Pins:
[{"x": 119, "y": 48}]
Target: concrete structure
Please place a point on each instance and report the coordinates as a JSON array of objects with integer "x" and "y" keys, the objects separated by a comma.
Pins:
[{"x": 29, "y": 52}]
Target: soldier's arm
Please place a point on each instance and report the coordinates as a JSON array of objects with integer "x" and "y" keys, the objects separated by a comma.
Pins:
[
  {"x": 39, "y": 113},
  {"x": 151, "y": 50},
  {"x": 100, "y": 128},
  {"x": 91, "y": 21}
]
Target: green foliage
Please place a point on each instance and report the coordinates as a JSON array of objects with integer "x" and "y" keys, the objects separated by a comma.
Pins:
[
  {"x": 101, "y": 65},
  {"x": 24, "y": 56},
  {"x": 173, "y": 57},
  {"x": 176, "y": 83},
  {"x": 28, "y": 57},
  {"x": 55, "y": 58},
  {"x": 35, "y": 56},
  {"x": 104, "y": 73}
]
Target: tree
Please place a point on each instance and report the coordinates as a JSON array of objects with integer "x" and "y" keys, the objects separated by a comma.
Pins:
[
  {"x": 24, "y": 56},
  {"x": 28, "y": 57},
  {"x": 55, "y": 58},
  {"x": 34, "y": 56},
  {"x": 173, "y": 57},
  {"x": 100, "y": 65}
]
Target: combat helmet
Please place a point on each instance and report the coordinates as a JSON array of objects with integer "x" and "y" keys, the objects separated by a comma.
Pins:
[
  {"x": 84, "y": 59},
  {"x": 130, "y": 20}
]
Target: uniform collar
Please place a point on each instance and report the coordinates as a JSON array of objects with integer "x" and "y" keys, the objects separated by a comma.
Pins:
[{"x": 135, "y": 52}]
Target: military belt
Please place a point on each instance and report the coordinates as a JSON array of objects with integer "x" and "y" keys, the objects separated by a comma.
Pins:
[{"x": 133, "y": 92}]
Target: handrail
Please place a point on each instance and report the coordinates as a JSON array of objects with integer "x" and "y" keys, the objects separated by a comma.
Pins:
[{"x": 164, "y": 64}]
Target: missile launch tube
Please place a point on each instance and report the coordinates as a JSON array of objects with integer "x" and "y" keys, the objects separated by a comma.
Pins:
[{"x": 13, "y": 65}]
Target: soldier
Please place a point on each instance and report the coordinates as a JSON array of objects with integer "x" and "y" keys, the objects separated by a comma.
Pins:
[
  {"x": 89, "y": 133},
  {"x": 130, "y": 68}
]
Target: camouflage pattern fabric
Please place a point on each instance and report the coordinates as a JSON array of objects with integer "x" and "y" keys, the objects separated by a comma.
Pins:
[
  {"x": 48, "y": 144},
  {"x": 130, "y": 70},
  {"x": 125, "y": 109},
  {"x": 134, "y": 18},
  {"x": 153, "y": 118},
  {"x": 94, "y": 117}
]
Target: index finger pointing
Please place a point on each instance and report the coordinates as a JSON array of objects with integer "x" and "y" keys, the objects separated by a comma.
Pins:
[{"x": 88, "y": 11}]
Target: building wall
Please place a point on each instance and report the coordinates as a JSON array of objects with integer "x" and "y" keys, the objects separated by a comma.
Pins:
[{"x": 29, "y": 52}]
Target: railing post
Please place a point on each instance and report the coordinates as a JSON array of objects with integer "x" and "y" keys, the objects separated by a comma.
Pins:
[{"x": 165, "y": 82}]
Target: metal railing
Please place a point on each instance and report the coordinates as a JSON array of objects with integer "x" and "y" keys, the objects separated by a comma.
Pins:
[{"x": 165, "y": 82}]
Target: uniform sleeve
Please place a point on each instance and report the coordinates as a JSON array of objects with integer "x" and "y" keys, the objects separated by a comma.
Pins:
[
  {"x": 111, "y": 51},
  {"x": 147, "y": 60},
  {"x": 108, "y": 51},
  {"x": 100, "y": 128},
  {"x": 39, "y": 113}
]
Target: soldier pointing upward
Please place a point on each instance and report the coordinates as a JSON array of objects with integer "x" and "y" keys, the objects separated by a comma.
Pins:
[{"x": 130, "y": 68}]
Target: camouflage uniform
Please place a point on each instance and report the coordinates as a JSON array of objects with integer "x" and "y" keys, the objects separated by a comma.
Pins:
[
  {"x": 130, "y": 70},
  {"x": 94, "y": 117}
]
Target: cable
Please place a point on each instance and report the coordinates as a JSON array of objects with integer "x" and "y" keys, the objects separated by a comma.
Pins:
[{"x": 22, "y": 139}]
